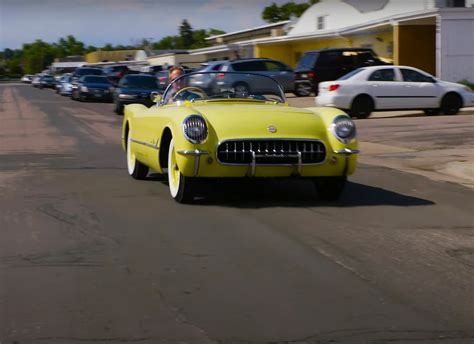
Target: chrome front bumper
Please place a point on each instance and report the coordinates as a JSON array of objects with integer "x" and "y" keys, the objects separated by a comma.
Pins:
[{"x": 197, "y": 158}]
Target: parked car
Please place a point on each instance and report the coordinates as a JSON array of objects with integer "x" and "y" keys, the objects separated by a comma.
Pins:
[
  {"x": 152, "y": 69},
  {"x": 234, "y": 135},
  {"x": 36, "y": 80},
  {"x": 330, "y": 64},
  {"x": 134, "y": 88},
  {"x": 393, "y": 88},
  {"x": 64, "y": 87},
  {"x": 206, "y": 77},
  {"x": 27, "y": 78},
  {"x": 97, "y": 87},
  {"x": 46, "y": 81},
  {"x": 80, "y": 72},
  {"x": 116, "y": 72},
  {"x": 272, "y": 68}
]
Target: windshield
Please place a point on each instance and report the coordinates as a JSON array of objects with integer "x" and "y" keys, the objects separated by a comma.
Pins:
[
  {"x": 97, "y": 79},
  {"x": 147, "y": 82},
  {"x": 89, "y": 71},
  {"x": 224, "y": 86}
]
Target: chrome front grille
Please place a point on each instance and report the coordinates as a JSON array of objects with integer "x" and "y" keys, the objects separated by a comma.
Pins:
[{"x": 271, "y": 152}]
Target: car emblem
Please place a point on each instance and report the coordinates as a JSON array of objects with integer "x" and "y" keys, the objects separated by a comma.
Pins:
[{"x": 272, "y": 129}]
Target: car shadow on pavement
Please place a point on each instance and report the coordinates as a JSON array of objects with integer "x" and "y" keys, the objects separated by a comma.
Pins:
[{"x": 294, "y": 193}]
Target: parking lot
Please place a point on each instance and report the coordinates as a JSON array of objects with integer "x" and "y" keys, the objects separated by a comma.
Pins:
[{"x": 89, "y": 255}]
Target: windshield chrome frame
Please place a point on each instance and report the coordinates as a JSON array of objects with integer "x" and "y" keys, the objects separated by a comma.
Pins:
[{"x": 161, "y": 103}]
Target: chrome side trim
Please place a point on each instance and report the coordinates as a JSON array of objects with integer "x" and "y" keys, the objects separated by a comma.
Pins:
[
  {"x": 347, "y": 151},
  {"x": 197, "y": 158},
  {"x": 145, "y": 144}
]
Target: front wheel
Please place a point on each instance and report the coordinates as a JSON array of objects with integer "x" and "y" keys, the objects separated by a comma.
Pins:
[
  {"x": 451, "y": 104},
  {"x": 330, "y": 188},
  {"x": 181, "y": 187},
  {"x": 136, "y": 169}
]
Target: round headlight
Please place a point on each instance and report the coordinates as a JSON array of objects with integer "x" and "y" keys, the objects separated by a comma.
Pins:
[
  {"x": 195, "y": 129},
  {"x": 344, "y": 128}
]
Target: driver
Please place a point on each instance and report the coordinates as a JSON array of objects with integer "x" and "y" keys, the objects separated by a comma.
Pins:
[{"x": 174, "y": 73}]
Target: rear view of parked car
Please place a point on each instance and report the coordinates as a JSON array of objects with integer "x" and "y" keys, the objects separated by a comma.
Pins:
[
  {"x": 65, "y": 78},
  {"x": 206, "y": 81},
  {"x": 47, "y": 81},
  {"x": 330, "y": 64},
  {"x": 393, "y": 88},
  {"x": 27, "y": 78},
  {"x": 92, "y": 87},
  {"x": 115, "y": 73},
  {"x": 277, "y": 70},
  {"x": 134, "y": 88}
]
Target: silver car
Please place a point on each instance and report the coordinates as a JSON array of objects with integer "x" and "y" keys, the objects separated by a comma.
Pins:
[
  {"x": 277, "y": 70},
  {"x": 207, "y": 80},
  {"x": 65, "y": 85}
]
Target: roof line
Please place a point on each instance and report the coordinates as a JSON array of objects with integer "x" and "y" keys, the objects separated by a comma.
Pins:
[
  {"x": 247, "y": 30},
  {"x": 390, "y": 20}
]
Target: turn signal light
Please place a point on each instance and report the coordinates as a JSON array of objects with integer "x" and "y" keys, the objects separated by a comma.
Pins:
[
  {"x": 311, "y": 74},
  {"x": 333, "y": 87},
  {"x": 220, "y": 75}
]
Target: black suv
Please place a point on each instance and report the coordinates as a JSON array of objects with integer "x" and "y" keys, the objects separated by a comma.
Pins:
[{"x": 330, "y": 64}]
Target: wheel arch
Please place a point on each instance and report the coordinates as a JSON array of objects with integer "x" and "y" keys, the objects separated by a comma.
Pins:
[
  {"x": 126, "y": 130},
  {"x": 454, "y": 93},
  {"x": 362, "y": 95},
  {"x": 165, "y": 141}
]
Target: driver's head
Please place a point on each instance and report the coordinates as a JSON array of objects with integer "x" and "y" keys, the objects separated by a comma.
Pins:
[{"x": 175, "y": 72}]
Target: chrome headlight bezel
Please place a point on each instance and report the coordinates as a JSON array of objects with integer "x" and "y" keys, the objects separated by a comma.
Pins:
[
  {"x": 344, "y": 129},
  {"x": 196, "y": 123}
]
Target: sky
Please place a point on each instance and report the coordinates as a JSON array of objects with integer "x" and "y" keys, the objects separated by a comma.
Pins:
[{"x": 98, "y": 22}]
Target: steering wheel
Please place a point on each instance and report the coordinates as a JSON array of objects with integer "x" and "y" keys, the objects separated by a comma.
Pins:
[{"x": 190, "y": 89}]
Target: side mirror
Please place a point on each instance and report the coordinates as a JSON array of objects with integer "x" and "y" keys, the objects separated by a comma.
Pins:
[{"x": 155, "y": 97}]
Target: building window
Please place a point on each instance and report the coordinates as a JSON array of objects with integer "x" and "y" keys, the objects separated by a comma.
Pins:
[{"x": 321, "y": 22}]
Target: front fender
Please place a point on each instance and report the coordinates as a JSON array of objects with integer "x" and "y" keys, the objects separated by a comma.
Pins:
[
  {"x": 130, "y": 112},
  {"x": 327, "y": 115}
]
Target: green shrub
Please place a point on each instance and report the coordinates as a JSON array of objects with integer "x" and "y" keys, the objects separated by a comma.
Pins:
[{"x": 467, "y": 83}]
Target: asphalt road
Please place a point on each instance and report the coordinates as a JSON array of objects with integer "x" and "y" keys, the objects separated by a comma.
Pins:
[{"x": 89, "y": 255}]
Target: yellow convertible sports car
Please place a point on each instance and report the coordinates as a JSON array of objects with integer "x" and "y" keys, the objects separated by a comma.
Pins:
[{"x": 224, "y": 125}]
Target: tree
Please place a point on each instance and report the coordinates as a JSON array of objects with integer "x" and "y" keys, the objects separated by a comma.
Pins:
[
  {"x": 275, "y": 13},
  {"x": 186, "y": 34},
  {"x": 168, "y": 42},
  {"x": 272, "y": 14}
]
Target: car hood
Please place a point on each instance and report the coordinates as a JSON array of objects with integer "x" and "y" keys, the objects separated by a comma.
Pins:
[
  {"x": 137, "y": 90},
  {"x": 253, "y": 121},
  {"x": 101, "y": 86},
  {"x": 450, "y": 84}
]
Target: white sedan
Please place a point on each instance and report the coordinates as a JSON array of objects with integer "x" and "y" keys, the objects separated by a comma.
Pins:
[{"x": 393, "y": 88}]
